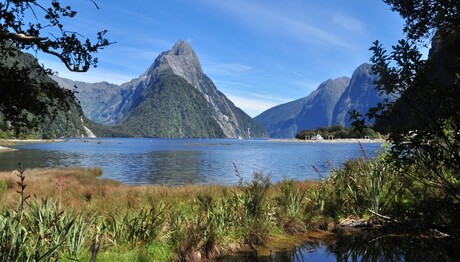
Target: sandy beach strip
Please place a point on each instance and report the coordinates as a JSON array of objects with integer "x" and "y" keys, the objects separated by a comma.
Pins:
[
  {"x": 6, "y": 143},
  {"x": 332, "y": 141},
  {"x": 4, "y": 149}
]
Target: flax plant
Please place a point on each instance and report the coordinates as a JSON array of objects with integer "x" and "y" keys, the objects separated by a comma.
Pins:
[
  {"x": 35, "y": 230},
  {"x": 257, "y": 207},
  {"x": 364, "y": 187},
  {"x": 291, "y": 200}
]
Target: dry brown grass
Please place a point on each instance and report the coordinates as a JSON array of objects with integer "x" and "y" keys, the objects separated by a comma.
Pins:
[{"x": 84, "y": 190}]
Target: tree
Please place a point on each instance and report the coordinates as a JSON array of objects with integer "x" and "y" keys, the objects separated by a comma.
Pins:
[
  {"x": 424, "y": 123},
  {"x": 34, "y": 25}
]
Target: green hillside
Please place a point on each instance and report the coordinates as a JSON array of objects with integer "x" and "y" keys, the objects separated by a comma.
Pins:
[
  {"x": 171, "y": 107},
  {"x": 25, "y": 103}
]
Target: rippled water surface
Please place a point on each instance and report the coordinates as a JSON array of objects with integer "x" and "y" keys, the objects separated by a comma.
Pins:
[{"x": 187, "y": 161}]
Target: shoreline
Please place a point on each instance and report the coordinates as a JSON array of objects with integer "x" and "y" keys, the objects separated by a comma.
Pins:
[
  {"x": 6, "y": 149},
  {"x": 6, "y": 143},
  {"x": 333, "y": 141}
]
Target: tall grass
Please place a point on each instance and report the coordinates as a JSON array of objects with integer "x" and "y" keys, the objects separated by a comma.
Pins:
[
  {"x": 380, "y": 190},
  {"x": 364, "y": 187},
  {"x": 135, "y": 222}
]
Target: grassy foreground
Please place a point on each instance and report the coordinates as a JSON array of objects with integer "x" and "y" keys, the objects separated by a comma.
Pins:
[
  {"x": 70, "y": 214},
  {"x": 73, "y": 215}
]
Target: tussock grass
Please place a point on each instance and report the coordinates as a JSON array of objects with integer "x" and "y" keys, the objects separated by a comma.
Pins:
[
  {"x": 177, "y": 222},
  {"x": 83, "y": 188}
]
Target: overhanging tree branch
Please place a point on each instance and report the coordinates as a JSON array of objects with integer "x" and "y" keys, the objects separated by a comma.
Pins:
[
  {"x": 21, "y": 37},
  {"x": 26, "y": 94}
]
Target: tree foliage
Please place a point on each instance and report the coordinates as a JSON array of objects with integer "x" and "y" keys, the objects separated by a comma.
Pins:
[
  {"x": 26, "y": 94},
  {"x": 338, "y": 132},
  {"x": 424, "y": 123},
  {"x": 29, "y": 24}
]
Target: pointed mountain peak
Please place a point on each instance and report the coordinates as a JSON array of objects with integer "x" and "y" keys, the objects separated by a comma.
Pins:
[
  {"x": 339, "y": 83},
  {"x": 182, "y": 60},
  {"x": 363, "y": 69},
  {"x": 182, "y": 48}
]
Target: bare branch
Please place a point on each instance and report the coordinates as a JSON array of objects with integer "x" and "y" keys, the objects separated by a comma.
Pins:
[{"x": 21, "y": 37}]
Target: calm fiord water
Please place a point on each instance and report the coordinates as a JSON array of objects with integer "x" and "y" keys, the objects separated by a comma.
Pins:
[{"x": 187, "y": 161}]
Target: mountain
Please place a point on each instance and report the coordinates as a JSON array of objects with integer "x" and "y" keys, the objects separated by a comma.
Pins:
[
  {"x": 52, "y": 120},
  {"x": 172, "y": 98},
  {"x": 359, "y": 95},
  {"x": 171, "y": 107},
  {"x": 328, "y": 105},
  {"x": 315, "y": 110},
  {"x": 95, "y": 99}
]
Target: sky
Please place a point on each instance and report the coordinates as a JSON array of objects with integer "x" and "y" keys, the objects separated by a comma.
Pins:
[{"x": 259, "y": 53}]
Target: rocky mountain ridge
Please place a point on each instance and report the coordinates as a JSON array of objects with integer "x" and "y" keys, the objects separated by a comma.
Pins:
[
  {"x": 328, "y": 105},
  {"x": 120, "y": 105},
  {"x": 310, "y": 112},
  {"x": 360, "y": 95}
]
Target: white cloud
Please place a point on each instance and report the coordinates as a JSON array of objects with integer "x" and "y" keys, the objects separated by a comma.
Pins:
[{"x": 257, "y": 104}]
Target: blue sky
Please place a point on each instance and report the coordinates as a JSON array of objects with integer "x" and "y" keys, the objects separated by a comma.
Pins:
[{"x": 259, "y": 53}]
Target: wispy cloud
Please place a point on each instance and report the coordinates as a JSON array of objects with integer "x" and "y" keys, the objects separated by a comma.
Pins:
[
  {"x": 349, "y": 23},
  {"x": 276, "y": 100},
  {"x": 233, "y": 70},
  {"x": 255, "y": 103},
  {"x": 271, "y": 21},
  {"x": 251, "y": 106},
  {"x": 92, "y": 76}
]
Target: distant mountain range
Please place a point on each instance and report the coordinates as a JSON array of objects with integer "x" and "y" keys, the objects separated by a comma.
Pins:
[
  {"x": 328, "y": 105},
  {"x": 315, "y": 110},
  {"x": 173, "y": 98}
]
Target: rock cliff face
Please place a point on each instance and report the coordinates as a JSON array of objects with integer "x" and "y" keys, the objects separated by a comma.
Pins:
[
  {"x": 360, "y": 95},
  {"x": 184, "y": 62},
  {"x": 125, "y": 106},
  {"x": 95, "y": 99},
  {"x": 326, "y": 106},
  {"x": 315, "y": 110}
]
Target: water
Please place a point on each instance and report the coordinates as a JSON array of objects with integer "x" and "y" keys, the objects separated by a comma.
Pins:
[
  {"x": 187, "y": 161},
  {"x": 206, "y": 161},
  {"x": 365, "y": 246}
]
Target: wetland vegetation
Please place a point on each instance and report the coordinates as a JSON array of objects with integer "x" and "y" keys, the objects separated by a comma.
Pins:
[{"x": 72, "y": 214}]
